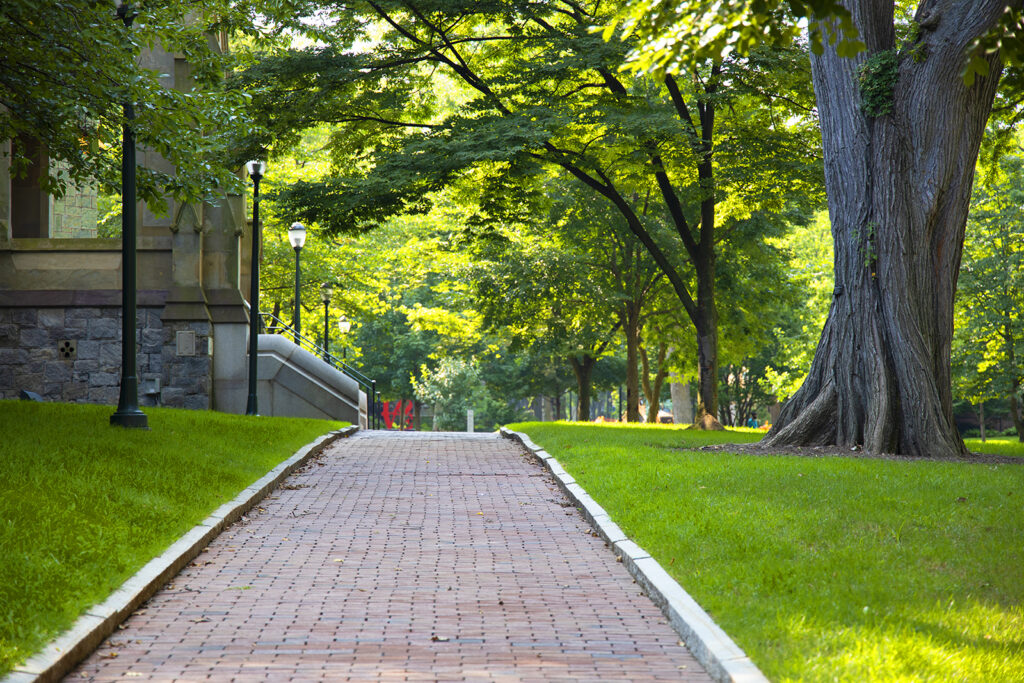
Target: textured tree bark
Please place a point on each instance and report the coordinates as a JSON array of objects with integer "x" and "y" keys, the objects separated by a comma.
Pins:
[{"x": 899, "y": 187}]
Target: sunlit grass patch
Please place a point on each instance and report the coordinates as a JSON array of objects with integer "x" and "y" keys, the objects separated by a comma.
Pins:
[
  {"x": 1002, "y": 445},
  {"x": 84, "y": 505},
  {"x": 823, "y": 569}
]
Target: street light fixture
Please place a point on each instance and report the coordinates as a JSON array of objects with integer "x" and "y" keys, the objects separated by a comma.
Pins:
[
  {"x": 128, "y": 414},
  {"x": 325, "y": 295},
  {"x": 256, "y": 169},
  {"x": 297, "y": 238},
  {"x": 344, "y": 325}
]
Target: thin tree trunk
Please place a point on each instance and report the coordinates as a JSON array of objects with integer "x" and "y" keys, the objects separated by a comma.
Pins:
[
  {"x": 645, "y": 383},
  {"x": 981, "y": 419},
  {"x": 652, "y": 387},
  {"x": 631, "y": 328},
  {"x": 899, "y": 187}
]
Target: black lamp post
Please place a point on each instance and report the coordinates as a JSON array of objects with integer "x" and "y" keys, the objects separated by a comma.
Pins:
[
  {"x": 325, "y": 295},
  {"x": 256, "y": 170},
  {"x": 128, "y": 413},
  {"x": 344, "y": 326},
  {"x": 297, "y": 238}
]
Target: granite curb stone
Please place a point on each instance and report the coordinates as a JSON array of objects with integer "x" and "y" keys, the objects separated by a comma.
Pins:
[
  {"x": 723, "y": 659},
  {"x": 63, "y": 653}
]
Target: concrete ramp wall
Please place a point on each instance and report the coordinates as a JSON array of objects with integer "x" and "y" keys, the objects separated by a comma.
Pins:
[{"x": 292, "y": 382}]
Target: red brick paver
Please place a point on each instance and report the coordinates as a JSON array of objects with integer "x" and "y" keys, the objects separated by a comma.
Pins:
[{"x": 403, "y": 557}]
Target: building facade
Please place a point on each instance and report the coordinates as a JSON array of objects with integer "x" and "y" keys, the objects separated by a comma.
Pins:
[{"x": 60, "y": 289}]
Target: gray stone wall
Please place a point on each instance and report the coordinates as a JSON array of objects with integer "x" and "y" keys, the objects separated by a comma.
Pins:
[
  {"x": 73, "y": 354},
  {"x": 187, "y": 364}
]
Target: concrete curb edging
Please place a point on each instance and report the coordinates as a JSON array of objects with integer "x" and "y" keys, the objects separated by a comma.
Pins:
[
  {"x": 63, "y": 653},
  {"x": 713, "y": 648}
]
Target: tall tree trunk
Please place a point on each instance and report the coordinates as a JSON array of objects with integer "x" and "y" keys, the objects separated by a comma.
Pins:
[
  {"x": 556, "y": 402},
  {"x": 631, "y": 328},
  {"x": 706, "y": 324},
  {"x": 899, "y": 187}
]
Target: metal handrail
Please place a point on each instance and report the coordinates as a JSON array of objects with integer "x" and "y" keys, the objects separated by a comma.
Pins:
[{"x": 273, "y": 325}]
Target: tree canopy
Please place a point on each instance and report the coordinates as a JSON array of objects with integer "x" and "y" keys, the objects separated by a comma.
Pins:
[
  {"x": 67, "y": 68},
  {"x": 434, "y": 94}
]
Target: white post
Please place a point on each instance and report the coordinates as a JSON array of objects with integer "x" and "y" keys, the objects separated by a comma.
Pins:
[{"x": 469, "y": 420}]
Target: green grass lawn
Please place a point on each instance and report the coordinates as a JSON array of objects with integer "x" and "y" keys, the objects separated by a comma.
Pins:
[
  {"x": 823, "y": 569},
  {"x": 1001, "y": 445},
  {"x": 84, "y": 505}
]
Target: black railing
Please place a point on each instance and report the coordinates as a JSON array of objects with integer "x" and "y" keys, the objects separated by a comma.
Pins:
[{"x": 271, "y": 324}]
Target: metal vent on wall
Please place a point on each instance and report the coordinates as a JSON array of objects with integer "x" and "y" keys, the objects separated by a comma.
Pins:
[{"x": 67, "y": 349}]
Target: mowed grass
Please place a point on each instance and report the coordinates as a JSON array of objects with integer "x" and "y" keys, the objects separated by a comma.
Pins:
[
  {"x": 1001, "y": 445},
  {"x": 84, "y": 505},
  {"x": 822, "y": 569}
]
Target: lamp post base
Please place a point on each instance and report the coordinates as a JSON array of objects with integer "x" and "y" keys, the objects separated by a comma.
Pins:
[{"x": 130, "y": 419}]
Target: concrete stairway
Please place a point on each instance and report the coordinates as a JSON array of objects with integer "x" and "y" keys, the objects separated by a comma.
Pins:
[{"x": 292, "y": 382}]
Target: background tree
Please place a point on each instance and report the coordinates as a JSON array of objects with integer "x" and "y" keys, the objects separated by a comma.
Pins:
[
  {"x": 988, "y": 348},
  {"x": 535, "y": 86},
  {"x": 538, "y": 284},
  {"x": 797, "y": 327},
  {"x": 902, "y": 121}
]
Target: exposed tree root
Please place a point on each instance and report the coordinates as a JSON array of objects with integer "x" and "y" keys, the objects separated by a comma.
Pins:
[{"x": 708, "y": 423}]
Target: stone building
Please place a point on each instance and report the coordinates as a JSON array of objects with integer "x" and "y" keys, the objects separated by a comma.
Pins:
[{"x": 60, "y": 301}]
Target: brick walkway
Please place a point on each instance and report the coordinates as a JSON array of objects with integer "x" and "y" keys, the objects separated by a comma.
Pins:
[{"x": 403, "y": 557}]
